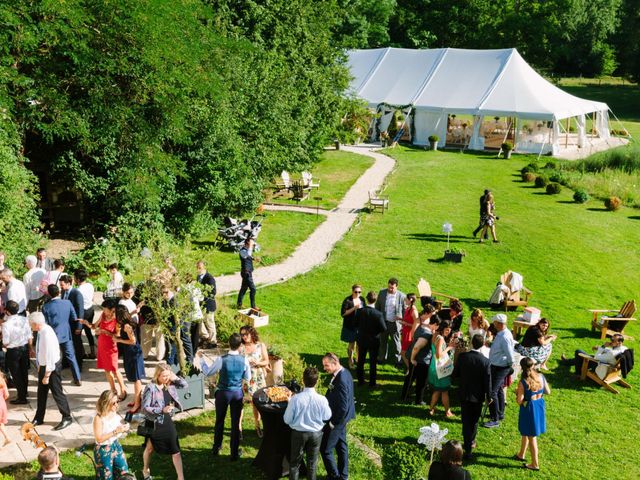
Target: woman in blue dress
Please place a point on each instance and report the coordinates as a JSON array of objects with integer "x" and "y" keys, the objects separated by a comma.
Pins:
[
  {"x": 133, "y": 358},
  {"x": 532, "y": 419}
]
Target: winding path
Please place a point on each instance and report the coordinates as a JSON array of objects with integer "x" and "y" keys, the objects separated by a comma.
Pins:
[{"x": 316, "y": 248}]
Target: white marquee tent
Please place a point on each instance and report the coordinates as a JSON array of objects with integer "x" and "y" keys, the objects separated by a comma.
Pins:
[{"x": 440, "y": 84}]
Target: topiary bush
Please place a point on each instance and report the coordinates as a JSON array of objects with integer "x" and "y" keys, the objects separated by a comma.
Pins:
[
  {"x": 580, "y": 196},
  {"x": 542, "y": 181},
  {"x": 554, "y": 188},
  {"x": 613, "y": 203},
  {"x": 433, "y": 138},
  {"x": 403, "y": 461},
  {"x": 551, "y": 165},
  {"x": 529, "y": 177},
  {"x": 532, "y": 167}
]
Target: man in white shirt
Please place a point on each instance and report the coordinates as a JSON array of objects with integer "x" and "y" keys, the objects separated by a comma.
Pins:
[
  {"x": 49, "y": 372},
  {"x": 15, "y": 290},
  {"x": 16, "y": 338},
  {"x": 306, "y": 414},
  {"x": 32, "y": 280},
  {"x": 605, "y": 353},
  {"x": 86, "y": 289}
]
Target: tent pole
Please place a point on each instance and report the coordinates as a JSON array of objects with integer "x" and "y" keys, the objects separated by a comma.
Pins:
[
  {"x": 566, "y": 135},
  {"x": 622, "y": 125}
]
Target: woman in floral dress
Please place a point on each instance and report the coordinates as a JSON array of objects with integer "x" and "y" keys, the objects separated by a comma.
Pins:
[{"x": 256, "y": 353}]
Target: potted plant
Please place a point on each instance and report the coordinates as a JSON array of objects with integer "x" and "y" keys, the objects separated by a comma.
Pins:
[
  {"x": 433, "y": 141},
  {"x": 507, "y": 148},
  {"x": 454, "y": 255},
  {"x": 171, "y": 314},
  {"x": 275, "y": 375}
]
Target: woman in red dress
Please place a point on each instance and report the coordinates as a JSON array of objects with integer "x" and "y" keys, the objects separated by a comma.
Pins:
[
  {"x": 107, "y": 357},
  {"x": 410, "y": 322}
]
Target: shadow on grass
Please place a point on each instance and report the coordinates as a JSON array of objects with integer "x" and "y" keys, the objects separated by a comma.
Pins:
[
  {"x": 530, "y": 187},
  {"x": 634, "y": 217},
  {"x": 594, "y": 209},
  {"x": 392, "y": 258},
  {"x": 438, "y": 237},
  {"x": 582, "y": 332},
  {"x": 567, "y": 202}
]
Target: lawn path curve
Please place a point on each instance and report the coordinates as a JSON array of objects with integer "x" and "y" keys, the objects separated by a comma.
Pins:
[{"x": 316, "y": 248}]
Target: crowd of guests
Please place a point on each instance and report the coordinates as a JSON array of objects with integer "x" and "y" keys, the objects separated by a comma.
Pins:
[
  {"x": 434, "y": 348},
  {"x": 46, "y": 314}
]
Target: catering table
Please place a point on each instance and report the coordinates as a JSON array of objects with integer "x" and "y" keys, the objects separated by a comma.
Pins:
[{"x": 274, "y": 454}]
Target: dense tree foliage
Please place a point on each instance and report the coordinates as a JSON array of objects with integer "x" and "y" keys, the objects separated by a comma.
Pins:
[
  {"x": 166, "y": 114},
  {"x": 566, "y": 37}
]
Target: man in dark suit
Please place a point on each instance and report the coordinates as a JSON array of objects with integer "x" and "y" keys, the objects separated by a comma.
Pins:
[
  {"x": 483, "y": 212},
  {"x": 370, "y": 324},
  {"x": 43, "y": 261},
  {"x": 474, "y": 370},
  {"x": 342, "y": 403},
  {"x": 61, "y": 316},
  {"x": 208, "y": 324},
  {"x": 67, "y": 292},
  {"x": 391, "y": 303},
  {"x": 453, "y": 314}
]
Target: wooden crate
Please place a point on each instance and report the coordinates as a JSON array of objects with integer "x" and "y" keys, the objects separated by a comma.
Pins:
[{"x": 253, "y": 317}]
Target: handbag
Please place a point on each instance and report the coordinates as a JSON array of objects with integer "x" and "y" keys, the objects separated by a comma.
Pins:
[
  {"x": 444, "y": 367},
  {"x": 146, "y": 428}
]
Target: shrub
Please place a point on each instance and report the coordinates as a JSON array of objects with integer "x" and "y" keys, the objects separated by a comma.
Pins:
[
  {"x": 580, "y": 196},
  {"x": 434, "y": 138},
  {"x": 403, "y": 461},
  {"x": 227, "y": 323},
  {"x": 558, "y": 177},
  {"x": 551, "y": 165},
  {"x": 541, "y": 181},
  {"x": 529, "y": 177},
  {"x": 613, "y": 203},
  {"x": 532, "y": 167},
  {"x": 553, "y": 188},
  {"x": 507, "y": 146}
]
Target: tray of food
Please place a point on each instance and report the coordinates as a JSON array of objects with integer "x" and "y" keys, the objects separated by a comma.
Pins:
[{"x": 278, "y": 394}]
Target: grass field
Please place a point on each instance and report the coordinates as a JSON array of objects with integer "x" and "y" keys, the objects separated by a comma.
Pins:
[
  {"x": 573, "y": 257},
  {"x": 336, "y": 171}
]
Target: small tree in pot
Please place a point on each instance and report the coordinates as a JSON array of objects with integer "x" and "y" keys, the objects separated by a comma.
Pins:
[
  {"x": 433, "y": 141},
  {"x": 507, "y": 148}
]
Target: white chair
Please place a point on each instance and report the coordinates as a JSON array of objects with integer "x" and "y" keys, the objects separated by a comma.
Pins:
[
  {"x": 378, "y": 202},
  {"x": 285, "y": 184},
  {"x": 307, "y": 181}
]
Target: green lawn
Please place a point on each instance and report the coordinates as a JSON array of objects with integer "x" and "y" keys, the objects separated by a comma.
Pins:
[
  {"x": 337, "y": 171},
  {"x": 573, "y": 257}
]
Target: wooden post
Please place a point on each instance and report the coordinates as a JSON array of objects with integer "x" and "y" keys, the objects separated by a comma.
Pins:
[{"x": 566, "y": 135}]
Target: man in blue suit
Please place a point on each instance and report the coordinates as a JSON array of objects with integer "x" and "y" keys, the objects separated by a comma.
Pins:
[
  {"x": 68, "y": 292},
  {"x": 342, "y": 403},
  {"x": 61, "y": 316}
]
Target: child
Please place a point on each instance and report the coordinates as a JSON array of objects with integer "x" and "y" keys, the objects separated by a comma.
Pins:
[{"x": 4, "y": 395}]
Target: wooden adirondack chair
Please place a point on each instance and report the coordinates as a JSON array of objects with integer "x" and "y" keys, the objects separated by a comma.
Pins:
[
  {"x": 516, "y": 299},
  {"x": 614, "y": 374},
  {"x": 378, "y": 202},
  {"x": 285, "y": 182},
  {"x": 307, "y": 180},
  {"x": 424, "y": 290},
  {"x": 608, "y": 325}
]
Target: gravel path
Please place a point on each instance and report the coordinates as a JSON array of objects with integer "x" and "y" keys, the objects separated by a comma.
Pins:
[{"x": 316, "y": 248}]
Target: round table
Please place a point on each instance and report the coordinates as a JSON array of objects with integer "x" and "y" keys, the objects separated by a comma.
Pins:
[{"x": 274, "y": 453}]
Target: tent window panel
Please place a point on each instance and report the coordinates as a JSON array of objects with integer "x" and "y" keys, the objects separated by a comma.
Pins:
[
  {"x": 496, "y": 130},
  {"x": 459, "y": 129},
  {"x": 534, "y": 136}
]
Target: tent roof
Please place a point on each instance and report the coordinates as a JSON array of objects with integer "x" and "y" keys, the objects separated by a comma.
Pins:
[{"x": 479, "y": 82}]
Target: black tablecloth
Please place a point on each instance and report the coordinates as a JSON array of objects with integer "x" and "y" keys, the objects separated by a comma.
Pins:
[{"x": 274, "y": 454}]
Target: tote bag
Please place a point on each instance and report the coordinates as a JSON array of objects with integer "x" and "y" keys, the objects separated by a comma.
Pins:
[{"x": 444, "y": 367}]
